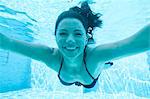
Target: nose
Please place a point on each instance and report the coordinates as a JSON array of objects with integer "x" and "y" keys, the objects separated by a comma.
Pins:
[{"x": 70, "y": 40}]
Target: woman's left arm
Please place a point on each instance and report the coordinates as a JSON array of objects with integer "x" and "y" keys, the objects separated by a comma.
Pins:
[{"x": 137, "y": 43}]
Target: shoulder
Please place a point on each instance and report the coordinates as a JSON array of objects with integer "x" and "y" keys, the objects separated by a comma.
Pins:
[
  {"x": 92, "y": 52},
  {"x": 54, "y": 59}
]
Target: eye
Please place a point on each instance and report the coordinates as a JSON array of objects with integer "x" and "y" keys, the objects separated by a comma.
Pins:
[
  {"x": 78, "y": 34},
  {"x": 63, "y": 34}
]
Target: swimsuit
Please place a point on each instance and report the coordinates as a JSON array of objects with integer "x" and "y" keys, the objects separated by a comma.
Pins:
[{"x": 78, "y": 83}]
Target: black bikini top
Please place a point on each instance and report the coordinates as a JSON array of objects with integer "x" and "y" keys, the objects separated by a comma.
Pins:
[{"x": 78, "y": 83}]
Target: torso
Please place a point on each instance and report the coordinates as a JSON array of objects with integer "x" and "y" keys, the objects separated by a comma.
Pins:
[{"x": 83, "y": 77}]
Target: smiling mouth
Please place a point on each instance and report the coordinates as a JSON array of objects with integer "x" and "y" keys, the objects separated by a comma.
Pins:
[{"x": 70, "y": 48}]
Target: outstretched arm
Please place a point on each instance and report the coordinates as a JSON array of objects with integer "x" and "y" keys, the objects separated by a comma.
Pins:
[
  {"x": 35, "y": 51},
  {"x": 139, "y": 42}
]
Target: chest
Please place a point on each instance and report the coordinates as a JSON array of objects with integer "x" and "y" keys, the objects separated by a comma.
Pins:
[
  {"x": 84, "y": 75},
  {"x": 90, "y": 68}
]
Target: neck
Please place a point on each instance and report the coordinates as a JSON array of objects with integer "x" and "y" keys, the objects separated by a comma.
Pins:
[{"x": 74, "y": 62}]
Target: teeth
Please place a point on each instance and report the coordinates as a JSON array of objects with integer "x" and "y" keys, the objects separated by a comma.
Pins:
[{"x": 70, "y": 48}]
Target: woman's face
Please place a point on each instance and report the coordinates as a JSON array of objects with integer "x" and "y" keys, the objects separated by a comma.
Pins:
[{"x": 71, "y": 37}]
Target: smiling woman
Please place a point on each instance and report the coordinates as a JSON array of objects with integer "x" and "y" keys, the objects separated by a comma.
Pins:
[{"x": 74, "y": 60}]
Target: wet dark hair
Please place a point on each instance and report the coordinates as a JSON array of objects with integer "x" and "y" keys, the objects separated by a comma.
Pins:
[{"x": 89, "y": 19}]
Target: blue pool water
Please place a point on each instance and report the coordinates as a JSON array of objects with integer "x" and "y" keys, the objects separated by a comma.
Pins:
[{"x": 33, "y": 21}]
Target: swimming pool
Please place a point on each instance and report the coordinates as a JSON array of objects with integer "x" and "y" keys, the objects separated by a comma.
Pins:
[{"x": 33, "y": 21}]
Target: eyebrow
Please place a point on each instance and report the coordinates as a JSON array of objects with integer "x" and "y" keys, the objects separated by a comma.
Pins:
[{"x": 63, "y": 30}]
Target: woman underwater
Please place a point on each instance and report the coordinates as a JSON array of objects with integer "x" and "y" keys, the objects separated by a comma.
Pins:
[{"x": 74, "y": 60}]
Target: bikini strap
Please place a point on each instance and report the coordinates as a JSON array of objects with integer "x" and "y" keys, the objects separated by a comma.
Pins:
[
  {"x": 62, "y": 59},
  {"x": 85, "y": 62}
]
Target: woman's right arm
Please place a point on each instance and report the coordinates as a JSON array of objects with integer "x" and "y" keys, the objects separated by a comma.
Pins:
[{"x": 34, "y": 51}]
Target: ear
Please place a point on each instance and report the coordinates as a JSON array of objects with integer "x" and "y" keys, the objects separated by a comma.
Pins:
[
  {"x": 90, "y": 39},
  {"x": 88, "y": 35}
]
